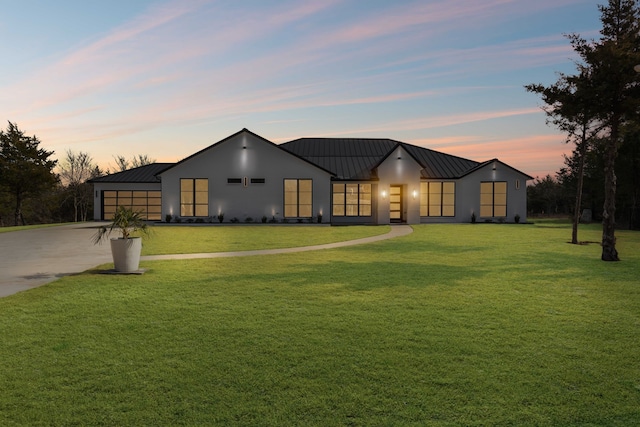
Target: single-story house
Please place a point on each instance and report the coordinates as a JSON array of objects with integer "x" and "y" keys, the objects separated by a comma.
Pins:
[{"x": 328, "y": 180}]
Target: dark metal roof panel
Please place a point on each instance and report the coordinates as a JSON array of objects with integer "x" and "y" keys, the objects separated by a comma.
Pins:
[
  {"x": 346, "y": 158},
  {"x": 142, "y": 174},
  {"x": 356, "y": 158},
  {"x": 440, "y": 165}
]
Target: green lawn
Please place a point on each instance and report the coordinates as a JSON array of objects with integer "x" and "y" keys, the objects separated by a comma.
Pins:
[
  {"x": 184, "y": 239},
  {"x": 29, "y": 227},
  {"x": 453, "y": 325}
]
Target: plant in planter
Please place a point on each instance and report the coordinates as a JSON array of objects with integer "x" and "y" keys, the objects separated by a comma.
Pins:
[{"x": 125, "y": 249}]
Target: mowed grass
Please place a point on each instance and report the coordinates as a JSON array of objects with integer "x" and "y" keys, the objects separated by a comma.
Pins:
[
  {"x": 184, "y": 239},
  {"x": 29, "y": 227},
  {"x": 453, "y": 325}
]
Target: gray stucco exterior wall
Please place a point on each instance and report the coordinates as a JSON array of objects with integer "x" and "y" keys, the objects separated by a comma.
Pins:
[
  {"x": 245, "y": 176},
  {"x": 245, "y": 157}
]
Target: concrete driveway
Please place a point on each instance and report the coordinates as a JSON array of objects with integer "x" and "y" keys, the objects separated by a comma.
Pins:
[{"x": 31, "y": 258}]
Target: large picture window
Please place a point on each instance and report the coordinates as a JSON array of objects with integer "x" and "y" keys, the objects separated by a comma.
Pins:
[
  {"x": 437, "y": 198},
  {"x": 298, "y": 198},
  {"x": 148, "y": 203},
  {"x": 194, "y": 197},
  {"x": 351, "y": 199},
  {"x": 493, "y": 199}
]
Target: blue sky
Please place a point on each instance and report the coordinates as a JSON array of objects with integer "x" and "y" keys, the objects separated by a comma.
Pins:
[{"x": 168, "y": 78}]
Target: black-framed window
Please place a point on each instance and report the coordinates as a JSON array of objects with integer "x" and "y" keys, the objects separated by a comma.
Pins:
[
  {"x": 493, "y": 199},
  {"x": 438, "y": 198},
  {"x": 194, "y": 197},
  {"x": 350, "y": 199},
  {"x": 298, "y": 198}
]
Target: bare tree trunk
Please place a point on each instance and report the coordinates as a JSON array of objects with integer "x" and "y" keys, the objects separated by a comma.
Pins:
[
  {"x": 609, "y": 252},
  {"x": 17, "y": 216},
  {"x": 578, "y": 206},
  {"x": 75, "y": 208}
]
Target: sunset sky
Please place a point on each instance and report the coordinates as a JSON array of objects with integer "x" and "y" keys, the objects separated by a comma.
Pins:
[{"x": 168, "y": 78}]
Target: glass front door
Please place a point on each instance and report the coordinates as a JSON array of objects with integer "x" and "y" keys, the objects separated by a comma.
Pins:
[{"x": 395, "y": 203}]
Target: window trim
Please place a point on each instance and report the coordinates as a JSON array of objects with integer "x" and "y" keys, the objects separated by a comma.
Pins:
[
  {"x": 441, "y": 203},
  {"x": 194, "y": 204},
  {"x": 297, "y": 204},
  {"x": 493, "y": 199},
  {"x": 359, "y": 205}
]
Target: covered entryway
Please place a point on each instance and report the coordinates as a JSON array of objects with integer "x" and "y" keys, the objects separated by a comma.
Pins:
[{"x": 396, "y": 204}]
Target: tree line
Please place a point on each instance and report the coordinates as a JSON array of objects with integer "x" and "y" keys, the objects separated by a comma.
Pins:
[
  {"x": 598, "y": 109},
  {"x": 37, "y": 189}
]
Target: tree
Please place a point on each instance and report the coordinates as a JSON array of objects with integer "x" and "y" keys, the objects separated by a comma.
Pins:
[
  {"x": 141, "y": 160},
  {"x": 544, "y": 196},
  {"x": 610, "y": 84},
  {"x": 25, "y": 169},
  {"x": 122, "y": 163},
  {"x": 568, "y": 107},
  {"x": 75, "y": 170},
  {"x": 612, "y": 60},
  {"x": 628, "y": 165}
]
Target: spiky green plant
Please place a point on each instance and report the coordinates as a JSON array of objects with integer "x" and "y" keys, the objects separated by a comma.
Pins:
[{"x": 126, "y": 221}]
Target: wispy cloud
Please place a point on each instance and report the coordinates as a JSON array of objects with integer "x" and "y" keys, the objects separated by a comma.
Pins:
[{"x": 329, "y": 68}]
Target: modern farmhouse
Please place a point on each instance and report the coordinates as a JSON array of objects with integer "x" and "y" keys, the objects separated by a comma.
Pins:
[{"x": 330, "y": 180}]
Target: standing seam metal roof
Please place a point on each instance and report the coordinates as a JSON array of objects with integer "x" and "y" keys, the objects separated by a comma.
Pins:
[
  {"x": 357, "y": 158},
  {"x": 345, "y": 158},
  {"x": 142, "y": 174}
]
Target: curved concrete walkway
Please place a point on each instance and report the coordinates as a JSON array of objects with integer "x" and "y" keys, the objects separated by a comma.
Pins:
[{"x": 32, "y": 258}]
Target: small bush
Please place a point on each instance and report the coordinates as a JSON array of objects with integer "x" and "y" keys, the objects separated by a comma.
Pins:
[
  {"x": 248, "y": 219},
  {"x": 264, "y": 219},
  {"x": 200, "y": 220},
  {"x": 168, "y": 217},
  {"x": 221, "y": 217},
  {"x": 235, "y": 220}
]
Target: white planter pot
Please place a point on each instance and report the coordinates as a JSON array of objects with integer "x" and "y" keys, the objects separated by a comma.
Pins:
[{"x": 126, "y": 254}]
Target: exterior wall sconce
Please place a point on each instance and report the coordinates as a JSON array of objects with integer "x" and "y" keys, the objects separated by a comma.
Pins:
[
  {"x": 384, "y": 194},
  {"x": 415, "y": 194},
  {"x": 244, "y": 147},
  {"x": 494, "y": 165},
  {"x": 399, "y": 157}
]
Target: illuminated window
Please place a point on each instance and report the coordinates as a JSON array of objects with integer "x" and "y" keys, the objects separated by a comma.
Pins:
[
  {"x": 148, "y": 203},
  {"x": 298, "y": 198},
  {"x": 493, "y": 199},
  {"x": 194, "y": 197},
  {"x": 351, "y": 199},
  {"x": 437, "y": 198}
]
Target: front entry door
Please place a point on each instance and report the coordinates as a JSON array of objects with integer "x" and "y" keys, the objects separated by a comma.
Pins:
[{"x": 395, "y": 203}]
